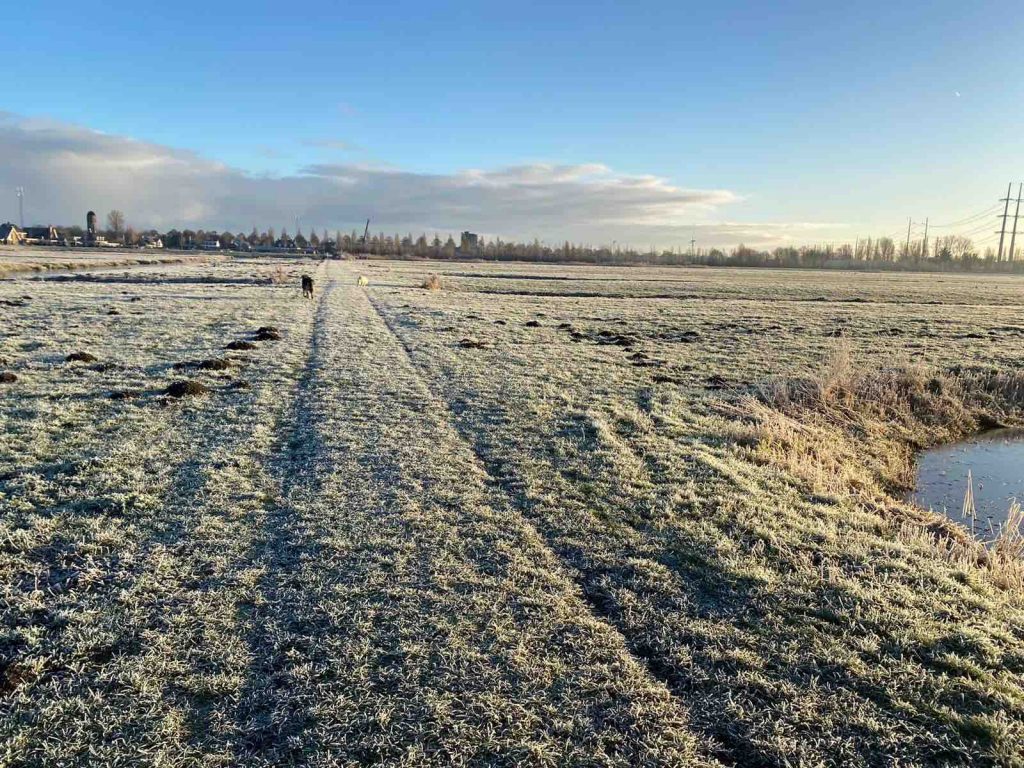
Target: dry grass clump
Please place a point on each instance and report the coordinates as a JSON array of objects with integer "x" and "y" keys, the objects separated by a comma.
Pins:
[
  {"x": 278, "y": 276},
  {"x": 1005, "y": 555},
  {"x": 432, "y": 283},
  {"x": 848, "y": 427},
  {"x": 855, "y": 430}
]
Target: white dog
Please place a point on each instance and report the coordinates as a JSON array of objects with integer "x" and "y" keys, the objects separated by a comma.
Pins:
[{"x": 362, "y": 281}]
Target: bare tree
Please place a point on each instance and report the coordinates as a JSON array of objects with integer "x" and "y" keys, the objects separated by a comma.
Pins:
[
  {"x": 954, "y": 248},
  {"x": 886, "y": 248},
  {"x": 115, "y": 221}
]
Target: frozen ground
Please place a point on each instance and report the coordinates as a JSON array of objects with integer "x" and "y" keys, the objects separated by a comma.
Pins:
[
  {"x": 18, "y": 260},
  {"x": 502, "y": 523}
]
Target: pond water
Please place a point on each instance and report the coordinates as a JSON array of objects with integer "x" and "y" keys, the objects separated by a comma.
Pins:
[{"x": 995, "y": 460}]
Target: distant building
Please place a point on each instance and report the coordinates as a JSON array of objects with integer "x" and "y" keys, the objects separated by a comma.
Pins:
[
  {"x": 211, "y": 244},
  {"x": 46, "y": 235},
  {"x": 469, "y": 240},
  {"x": 11, "y": 235},
  {"x": 91, "y": 237}
]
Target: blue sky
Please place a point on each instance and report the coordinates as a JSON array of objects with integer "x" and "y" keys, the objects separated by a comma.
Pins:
[{"x": 842, "y": 116}]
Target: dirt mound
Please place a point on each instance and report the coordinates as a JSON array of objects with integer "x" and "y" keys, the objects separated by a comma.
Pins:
[
  {"x": 533, "y": 324},
  {"x": 186, "y": 388},
  {"x": 6, "y": 377},
  {"x": 213, "y": 364},
  {"x": 618, "y": 339},
  {"x": 267, "y": 333},
  {"x": 681, "y": 337},
  {"x": 241, "y": 345},
  {"x": 81, "y": 357}
]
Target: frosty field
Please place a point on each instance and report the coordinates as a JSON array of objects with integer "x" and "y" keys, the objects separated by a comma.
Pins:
[
  {"x": 545, "y": 515},
  {"x": 21, "y": 259}
]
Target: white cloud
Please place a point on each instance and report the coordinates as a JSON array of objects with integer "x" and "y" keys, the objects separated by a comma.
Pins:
[{"x": 68, "y": 169}]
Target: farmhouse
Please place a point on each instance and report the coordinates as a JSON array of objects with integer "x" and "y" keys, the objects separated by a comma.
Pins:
[
  {"x": 11, "y": 235},
  {"x": 42, "y": 234}
]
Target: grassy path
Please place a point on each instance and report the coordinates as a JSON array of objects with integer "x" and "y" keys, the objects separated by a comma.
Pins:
[{"x": 409, "y": 617}]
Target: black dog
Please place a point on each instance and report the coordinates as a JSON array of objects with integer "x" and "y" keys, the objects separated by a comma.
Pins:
[{"x": 307, "y": 287}]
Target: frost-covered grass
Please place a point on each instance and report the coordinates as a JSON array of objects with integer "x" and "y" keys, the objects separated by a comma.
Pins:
[
  {"x": 21, "y": 259},
  {"x": 573, "y": 542}
]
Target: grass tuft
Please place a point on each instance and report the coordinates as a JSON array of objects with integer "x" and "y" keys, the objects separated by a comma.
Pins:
[{"x": 432, "y": 283}]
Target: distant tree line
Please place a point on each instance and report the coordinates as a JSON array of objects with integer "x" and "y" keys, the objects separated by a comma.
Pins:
[{"x": 948, "y": 253}]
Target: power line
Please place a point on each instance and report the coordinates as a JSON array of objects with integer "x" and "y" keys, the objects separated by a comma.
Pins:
[
  {"x": 986, "y": 227},
  {"x": 968, "y": 219}
]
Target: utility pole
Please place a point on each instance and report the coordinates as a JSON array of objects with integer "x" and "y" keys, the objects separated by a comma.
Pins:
[
  {"x": 21, "y": 207},
  {"x": 907, "y": 251},
  {"x": 1006, "y": 210},
  {"x": 1016, "y": 214},
  {"x": 924, "y": 252}
]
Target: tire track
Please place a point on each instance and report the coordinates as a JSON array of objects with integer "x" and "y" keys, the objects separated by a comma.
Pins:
[
  {"x": 267, "y": 716},
  {"x": 593, "y": 597}
]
